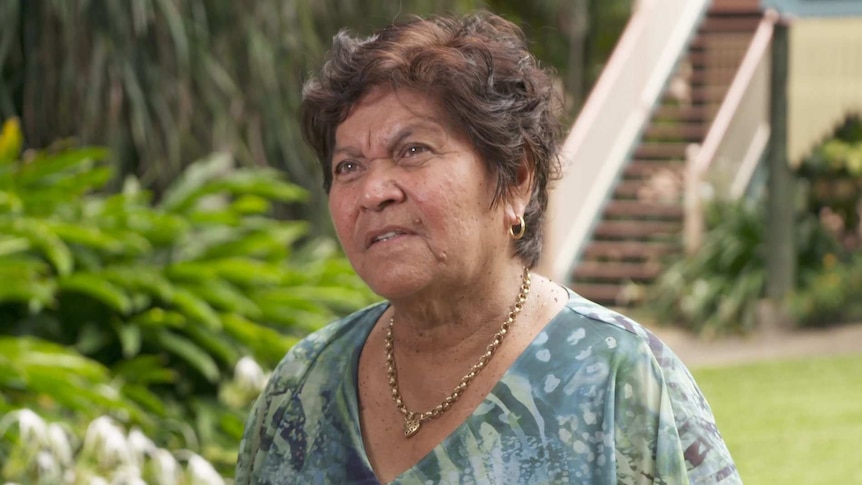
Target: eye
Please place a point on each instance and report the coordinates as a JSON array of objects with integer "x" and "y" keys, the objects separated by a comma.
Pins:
[
  {"x": 345, "y": 167},
  {"x": 415, "y": 154},
  {"x": 414, "y": 150}
]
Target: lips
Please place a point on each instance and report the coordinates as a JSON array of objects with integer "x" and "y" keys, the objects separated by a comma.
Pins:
[{"x": 384, "y": 234}]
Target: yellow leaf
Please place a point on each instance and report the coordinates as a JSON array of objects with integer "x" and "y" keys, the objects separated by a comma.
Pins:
[{"x": 11, "y": 141}]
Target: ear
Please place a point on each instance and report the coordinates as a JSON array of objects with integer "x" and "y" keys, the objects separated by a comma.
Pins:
[{"x": 519, "y": 194}]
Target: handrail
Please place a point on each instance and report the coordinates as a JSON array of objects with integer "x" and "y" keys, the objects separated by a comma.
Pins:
[
  {"x": 753, "y": 59},
  {"x": 736, "y": 141},
  {"x": 611, "y": 122}
]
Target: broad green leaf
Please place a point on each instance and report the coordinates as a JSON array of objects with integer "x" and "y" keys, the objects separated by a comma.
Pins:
[
  {"x": 10, "y": 202},
  {"x": 267, "y": 344},
  {"x": 42, "y": 239},
  {"x": 130, "y": 339},
  {"x": 89, "y": 236},
  {"x": 11, "y": 245},
  {"x": 267, "y": 184},
  {"x": 158, "y": 317},
  {"x": 145, "y": 370},
  {"x": 142, "y": 278},
  {"x": 146, "y": 399},
  {"x": 195, "y": 308},
  {"x": 98, "y": 288},
  {"x": 28, "y": 353},
  {"x": 188, "y": 351},
  {"x": 246, "y": 271},
  {"x": 214, "y": 342},
  {"x": 271, "y": 243},
  {"x": 249, "y": 204},
  {"x": 180, "y": 194},
  {"x": 50, "y": 193},
  {"x": 48, "y": 168},
  {"x": 225, "y": 296}
]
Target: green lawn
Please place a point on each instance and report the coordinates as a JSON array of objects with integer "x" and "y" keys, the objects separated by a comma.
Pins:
[{"x": 790, "y": 422}]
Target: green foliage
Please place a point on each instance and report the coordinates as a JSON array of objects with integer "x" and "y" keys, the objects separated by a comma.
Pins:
[
  {"x": 114, "y": 303},
  {"x": 833, "y": 176},
  {"x": 162, "y": 83},
  {"x": 833, "y": 173},
  {"x": 716, "y": 290},
  {"x": 841, "y": 154},
  {"x": 831, "y": 296}
]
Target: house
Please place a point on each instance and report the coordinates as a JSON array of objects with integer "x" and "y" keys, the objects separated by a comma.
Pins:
[{"x": 697, "y": 100}]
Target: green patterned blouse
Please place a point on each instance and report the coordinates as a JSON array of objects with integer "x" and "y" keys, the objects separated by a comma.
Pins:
[{"x": 594, "y": 399}]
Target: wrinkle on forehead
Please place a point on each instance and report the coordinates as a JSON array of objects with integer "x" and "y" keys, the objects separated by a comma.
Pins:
[{"x": 426, "y": 116}]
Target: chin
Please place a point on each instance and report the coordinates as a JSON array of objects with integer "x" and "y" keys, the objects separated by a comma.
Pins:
[{"x": 394, "y": 282}]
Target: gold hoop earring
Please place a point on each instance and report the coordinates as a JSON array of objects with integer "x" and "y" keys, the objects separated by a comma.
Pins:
[{"x": 521, "y": 229}]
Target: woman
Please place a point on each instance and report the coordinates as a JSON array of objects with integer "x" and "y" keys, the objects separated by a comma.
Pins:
[{"x": 437, "y": 140}]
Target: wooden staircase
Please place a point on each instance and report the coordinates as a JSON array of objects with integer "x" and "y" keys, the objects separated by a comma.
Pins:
[{"x": 642, "y": 223}]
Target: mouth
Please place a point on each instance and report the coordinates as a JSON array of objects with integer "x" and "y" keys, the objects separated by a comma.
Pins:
[{"x": 384, "y": 235}]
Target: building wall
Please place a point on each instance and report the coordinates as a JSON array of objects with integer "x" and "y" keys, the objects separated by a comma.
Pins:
[{"x": 825, "y": 79}]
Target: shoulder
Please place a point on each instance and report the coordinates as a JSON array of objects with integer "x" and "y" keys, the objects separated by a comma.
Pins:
[
  {"x": 642, "y": 355},
  {"x": 306, "y": 375},
  {"x": 628, "y": 335},
  {"x": 339, "y": 337}
]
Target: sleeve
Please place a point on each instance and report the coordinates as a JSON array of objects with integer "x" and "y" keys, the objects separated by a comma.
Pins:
[
  {"x": 250, "y": 444},
  {"x": 276, "y": 413},
  {"x": 664, "y": 430}
]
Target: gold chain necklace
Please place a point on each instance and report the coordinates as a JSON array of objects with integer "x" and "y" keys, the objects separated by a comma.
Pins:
[{"x": 413, "y": 421}]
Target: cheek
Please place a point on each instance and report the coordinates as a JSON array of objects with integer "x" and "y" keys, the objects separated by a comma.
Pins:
[{"x": 340, "y": 213}]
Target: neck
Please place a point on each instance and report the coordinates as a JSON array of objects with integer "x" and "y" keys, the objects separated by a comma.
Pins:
[{"x": 459, "y": 316}]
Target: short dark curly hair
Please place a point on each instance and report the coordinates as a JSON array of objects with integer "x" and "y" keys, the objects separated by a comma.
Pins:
[{"x": 479, "y": 69}]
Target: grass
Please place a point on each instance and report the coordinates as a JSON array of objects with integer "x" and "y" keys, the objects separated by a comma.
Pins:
[{"x": 790, "y": 422}]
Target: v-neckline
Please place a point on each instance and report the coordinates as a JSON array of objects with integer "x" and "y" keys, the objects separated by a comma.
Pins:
[{"x": 350, "y": 388}]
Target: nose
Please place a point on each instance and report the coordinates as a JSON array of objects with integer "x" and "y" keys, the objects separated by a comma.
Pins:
[{"x": 380, "y": 187}]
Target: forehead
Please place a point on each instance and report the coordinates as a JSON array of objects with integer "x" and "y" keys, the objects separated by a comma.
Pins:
[{"x": 382, "y": 111}]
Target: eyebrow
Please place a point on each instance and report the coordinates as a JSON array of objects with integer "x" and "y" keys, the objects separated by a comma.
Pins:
[{"x": 399, "y": 137}]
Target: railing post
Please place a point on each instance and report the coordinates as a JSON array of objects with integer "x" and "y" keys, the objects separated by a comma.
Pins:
[
  {"x": 780, "y": 247},
  {"x": 693, "y": 225}
]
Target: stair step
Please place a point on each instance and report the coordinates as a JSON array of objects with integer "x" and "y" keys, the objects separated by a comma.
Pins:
[
  {"x": 708, "y": 42},
  {"x": 660, "y": 150},
  {"x": 697, "y": 94},
  {"x": 729, "y": 23},
  {"x": 675, "y": 131},
  {"x": 643, "y": 222},
  {"x": 633, "y": 209},
  {"x": 644, "y": 169},
  {"x": 712, "y": 77},
  {"x": 600, "y": 293},
  {"x": 666, "y": 188},
  {"x": 608, "y": 271},
  {"x": 750, "y": 7},
  {"x": 682, "y": 113},
  {"x": 620, "y": 250},
  {"x": 638, "y": 229}
]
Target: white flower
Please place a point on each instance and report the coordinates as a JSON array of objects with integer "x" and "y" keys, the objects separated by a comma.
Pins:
[
  {"x": 58, "y": 443},
  {"x": 140, "y": 445},
  {"x": 201, "y": 472},
  {"x": 127, "y": 475},
  {"x": 47, "y": 465},
  {"x": 33, "y": 428},
  {"x": 167, "y": 468},
  {"x": 107, "y": 441},
  {"x": 248, "y": 374}
]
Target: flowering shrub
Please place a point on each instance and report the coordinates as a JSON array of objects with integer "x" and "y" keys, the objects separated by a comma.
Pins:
[
  {"x": 113, "y": 304},
  {"x": 54, "y": 453}
]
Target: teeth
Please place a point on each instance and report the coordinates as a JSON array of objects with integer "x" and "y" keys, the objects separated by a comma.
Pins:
[{"x": 385, "y": 236}]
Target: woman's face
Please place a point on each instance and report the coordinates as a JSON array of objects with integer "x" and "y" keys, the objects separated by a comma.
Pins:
[{"x": 411, "y": 199}]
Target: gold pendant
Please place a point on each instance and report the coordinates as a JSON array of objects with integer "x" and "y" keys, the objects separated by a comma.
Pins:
[{"x": 411, "y": 427}]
